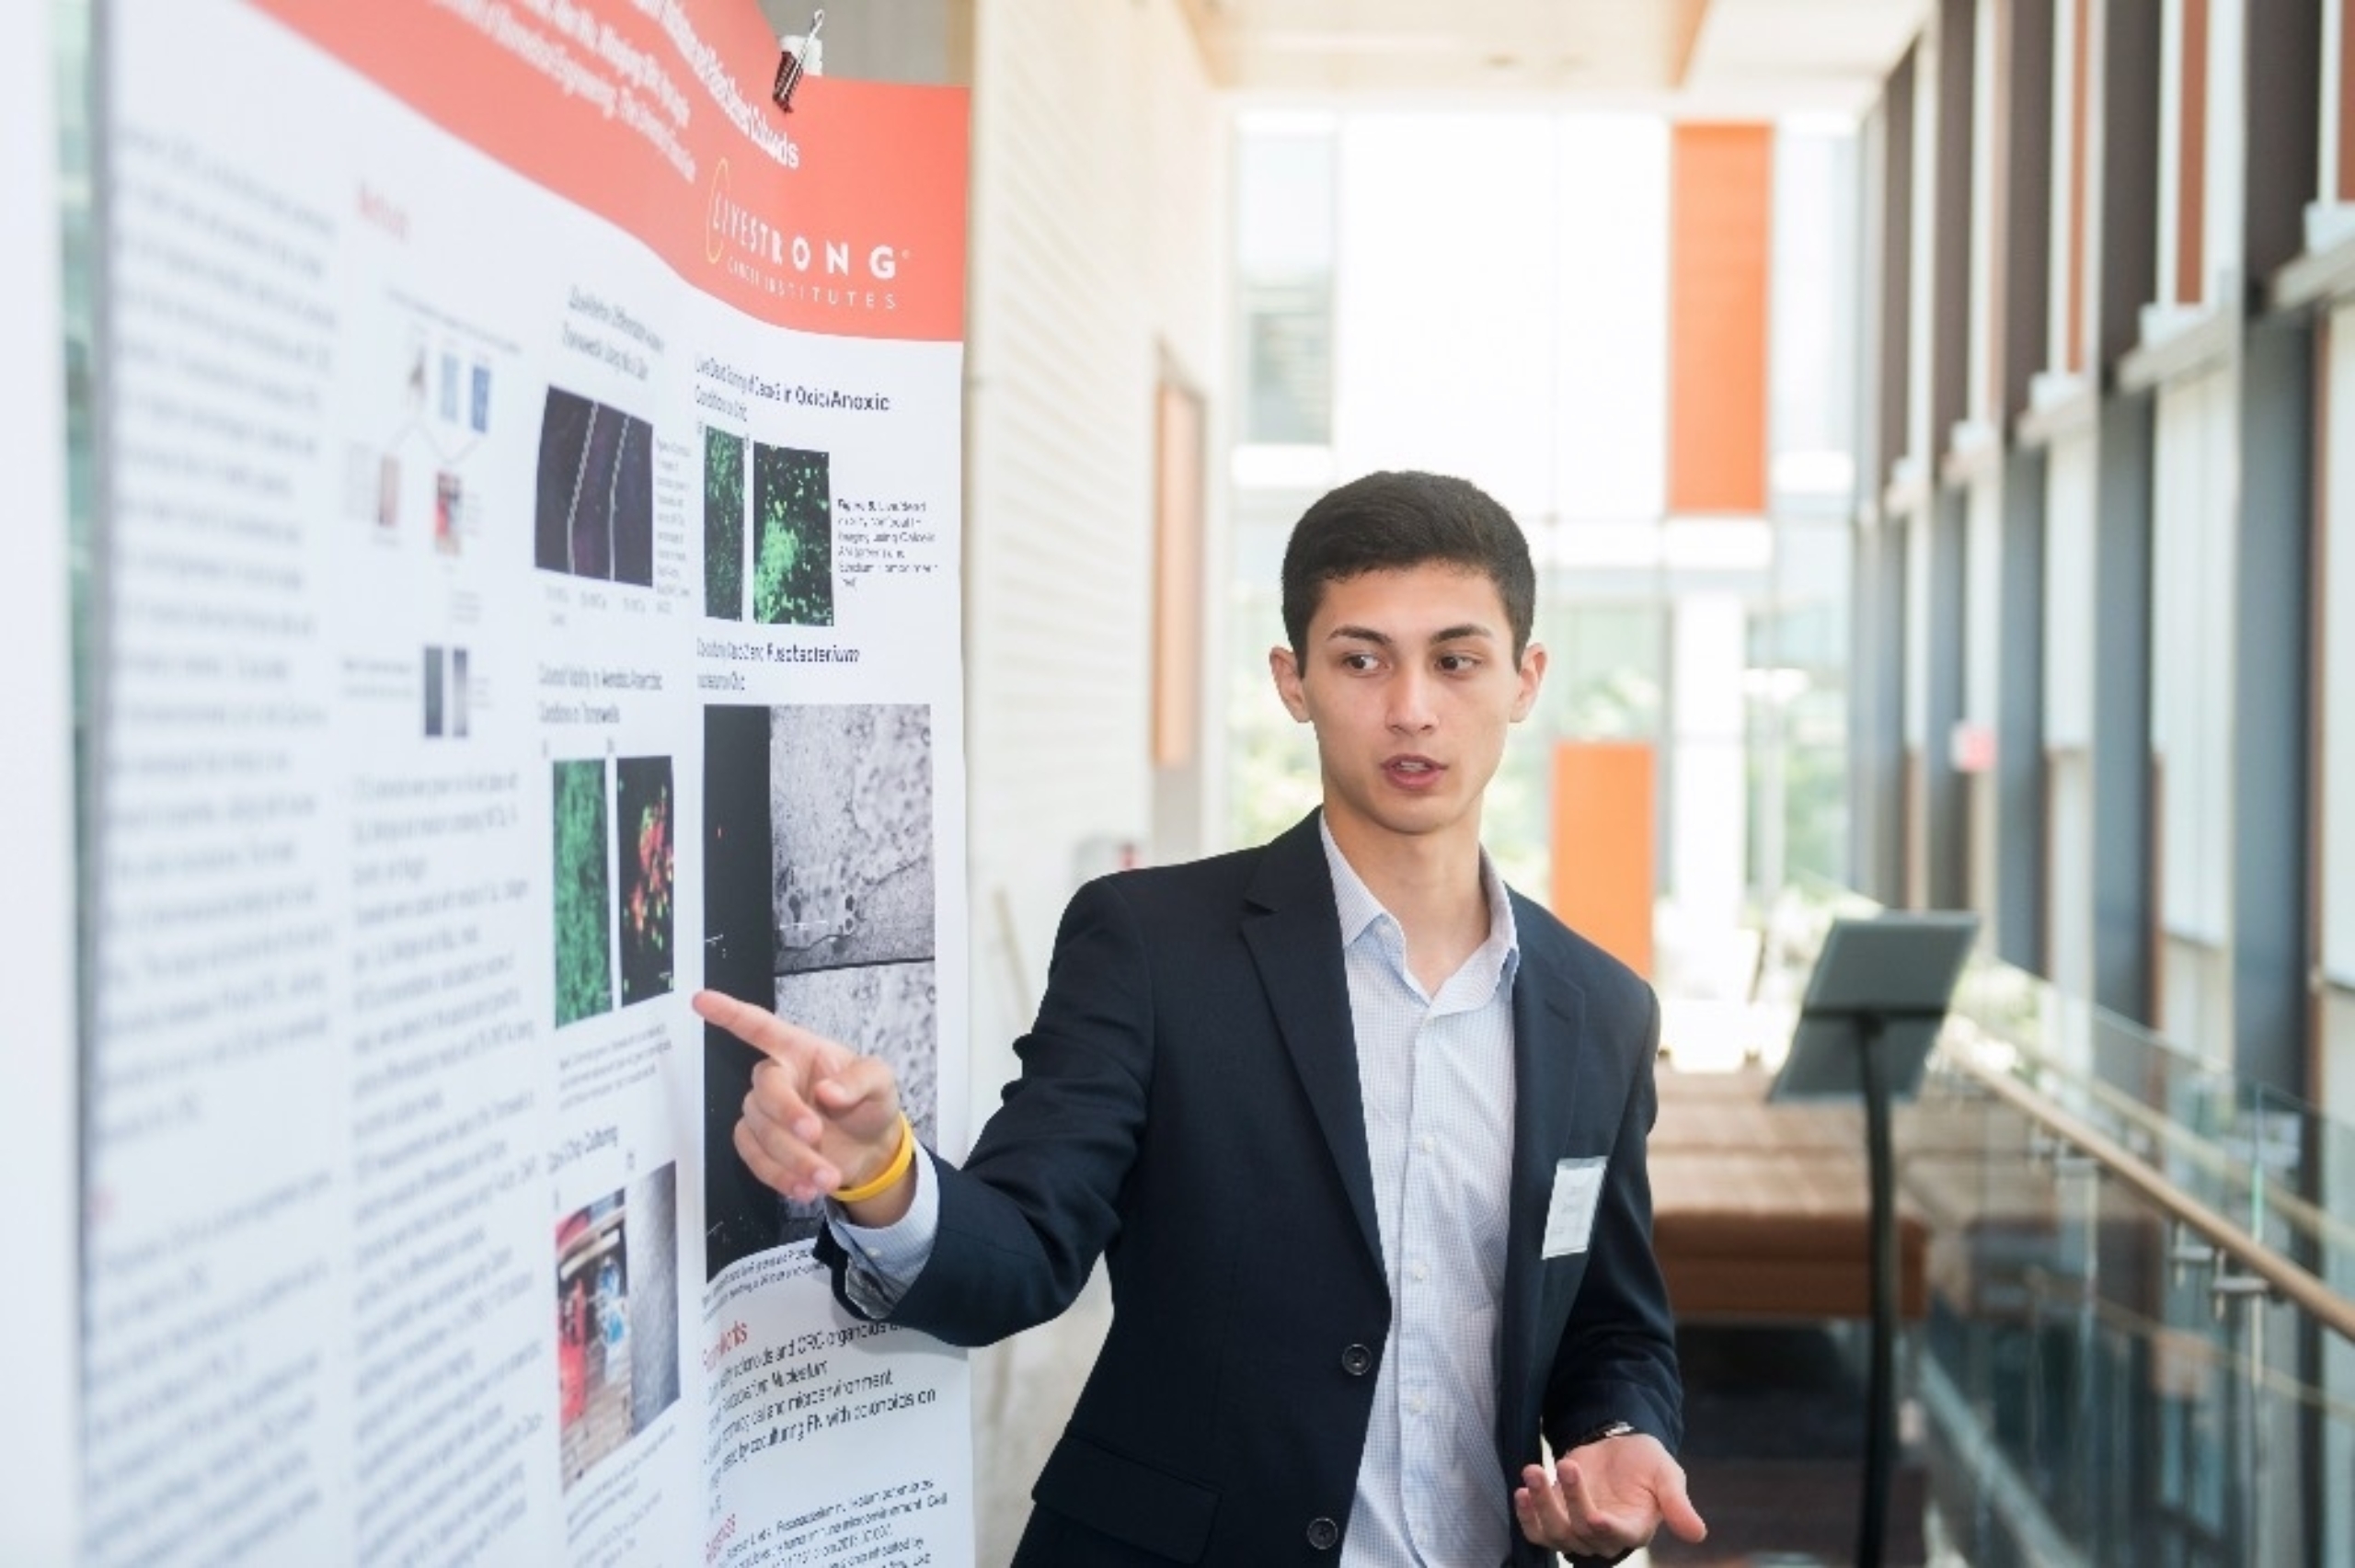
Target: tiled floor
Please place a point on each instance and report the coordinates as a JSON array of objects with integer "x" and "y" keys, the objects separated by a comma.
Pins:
[{"x": 1774, "y": 1451}]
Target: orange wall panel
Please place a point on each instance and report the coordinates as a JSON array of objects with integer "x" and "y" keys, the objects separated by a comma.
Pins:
[
  {"x": 1720, "y": 224},
  {"x": 1602, "y": 846},
  {"x": 2192, "y": 159},
  {"x": 2343, "y": 112},
  {"x": 1178, "y": 575}
]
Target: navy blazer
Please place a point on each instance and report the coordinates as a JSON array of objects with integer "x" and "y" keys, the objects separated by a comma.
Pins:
[{"x": 1189, "y": 1109}]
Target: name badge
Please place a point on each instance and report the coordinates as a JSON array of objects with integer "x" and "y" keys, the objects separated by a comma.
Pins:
[{"x": 1569, "y": 1218}]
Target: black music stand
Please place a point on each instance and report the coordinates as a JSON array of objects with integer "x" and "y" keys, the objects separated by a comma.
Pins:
[{"x": 1871, "y": 1013}]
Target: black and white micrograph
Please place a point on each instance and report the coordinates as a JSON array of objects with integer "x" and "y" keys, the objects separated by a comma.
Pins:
[
  {"x": 890, "y": 1009},
  {"x": 819, "y": 895},
  {"x": 851, "y": 851}
]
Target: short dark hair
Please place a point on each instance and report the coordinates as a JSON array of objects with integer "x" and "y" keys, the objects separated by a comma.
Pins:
[{"x": 1393, "y": 521}]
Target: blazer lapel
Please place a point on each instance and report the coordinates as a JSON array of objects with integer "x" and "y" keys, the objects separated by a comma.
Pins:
[
  {"x": 1548, "y": 1013},
  {"x": 1295, "y": 937}
]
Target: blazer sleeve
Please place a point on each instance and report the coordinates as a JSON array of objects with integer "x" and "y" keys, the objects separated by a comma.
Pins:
[
  {"x": 1616, "y": 1357},
  {"x": 1039, "y": 1199}
]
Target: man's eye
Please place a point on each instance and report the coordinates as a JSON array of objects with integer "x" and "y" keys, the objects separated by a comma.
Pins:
[
  {"x": 1359, "y": 661},
  {"x": 1457, "y": 663}
]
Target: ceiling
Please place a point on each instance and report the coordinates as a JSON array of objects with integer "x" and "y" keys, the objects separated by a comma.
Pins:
[{"x": 1744, "y": 57}]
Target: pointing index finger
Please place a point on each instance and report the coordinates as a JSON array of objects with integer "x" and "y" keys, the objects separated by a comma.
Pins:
[{"x": 756, "y": 1026}]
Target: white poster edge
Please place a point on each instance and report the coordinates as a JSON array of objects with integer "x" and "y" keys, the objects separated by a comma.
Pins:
[{"x": 41, "y": 1114}]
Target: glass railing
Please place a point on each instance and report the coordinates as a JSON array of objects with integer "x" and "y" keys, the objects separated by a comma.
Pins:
[{"x": 2141, "y": 1291}]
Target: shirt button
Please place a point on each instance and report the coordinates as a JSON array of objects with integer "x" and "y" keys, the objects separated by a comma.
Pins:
[
  {"x": 1415, "y": 1405},
  {"x": 1425, "y": 1144},
  {"x": 1323, "y": 1533},
  {"x": 1356, "y": 1360},
  {"x": 1420, "y": 1272}
]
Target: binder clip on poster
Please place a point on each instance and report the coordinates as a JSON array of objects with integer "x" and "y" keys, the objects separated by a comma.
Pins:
[{"x": 803, "y": 56}]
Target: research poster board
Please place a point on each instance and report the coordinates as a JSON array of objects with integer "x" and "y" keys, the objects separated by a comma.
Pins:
[
  {"x": 530, "y": 594},
  {"x": 40, "y": 1104}
]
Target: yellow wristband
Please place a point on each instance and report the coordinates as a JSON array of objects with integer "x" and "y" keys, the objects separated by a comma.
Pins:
[{"x": 893, "y": 1169}]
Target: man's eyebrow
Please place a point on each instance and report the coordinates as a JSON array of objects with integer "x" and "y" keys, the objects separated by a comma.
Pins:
[{"x": 1469, "y": 629}]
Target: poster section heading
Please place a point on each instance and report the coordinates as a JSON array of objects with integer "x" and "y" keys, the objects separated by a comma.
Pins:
[{"x": 655, "y": 115}]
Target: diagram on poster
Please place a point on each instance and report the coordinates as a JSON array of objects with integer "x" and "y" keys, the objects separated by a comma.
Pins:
[{"x": 424, "y": 414}]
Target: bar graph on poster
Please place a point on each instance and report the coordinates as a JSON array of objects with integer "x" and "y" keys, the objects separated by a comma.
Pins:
[{"x": 530, "y": 589}]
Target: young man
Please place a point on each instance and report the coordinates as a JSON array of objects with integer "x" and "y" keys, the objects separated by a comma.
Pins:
[{"x": 1358, "y": 1133}]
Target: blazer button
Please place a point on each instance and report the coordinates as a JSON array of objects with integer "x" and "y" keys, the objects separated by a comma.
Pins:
[
  {"x": 1357, "y": 1361},
  {"x": 1323, "y": 1533}
]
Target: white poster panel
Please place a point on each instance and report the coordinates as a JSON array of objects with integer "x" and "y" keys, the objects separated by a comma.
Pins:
[
  {"x": 38, "y": 1112},
  {"x": 533, "y": 588}
]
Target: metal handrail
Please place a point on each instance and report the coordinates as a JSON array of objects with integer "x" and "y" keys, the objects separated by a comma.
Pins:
[
  {"x": 2307, "y": 1216},
  {"x": 2309, "y": 1292}
]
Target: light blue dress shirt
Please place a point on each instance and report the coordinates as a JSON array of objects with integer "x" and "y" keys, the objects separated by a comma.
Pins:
[
  {"x": 1435, "y": 1074},
  {"x": 1436, "y": 1080}
]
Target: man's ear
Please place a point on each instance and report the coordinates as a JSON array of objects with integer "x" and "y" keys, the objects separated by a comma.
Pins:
[
  {"x": 1285, "y": 666},
  {"x": 1532, "y": 676}
]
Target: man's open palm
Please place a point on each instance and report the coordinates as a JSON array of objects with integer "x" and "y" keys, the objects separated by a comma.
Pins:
[{"x": 1606, "y": 1498}]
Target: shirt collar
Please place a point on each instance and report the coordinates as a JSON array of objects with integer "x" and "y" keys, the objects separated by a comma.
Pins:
[{"x": 1359, "y": 908}]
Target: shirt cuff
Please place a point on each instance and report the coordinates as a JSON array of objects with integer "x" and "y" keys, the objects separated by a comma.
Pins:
[{"x": 886, "y": 1259}]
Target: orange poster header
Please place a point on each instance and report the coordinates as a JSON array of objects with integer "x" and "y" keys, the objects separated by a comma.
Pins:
[{"x": 846, "y": 215}]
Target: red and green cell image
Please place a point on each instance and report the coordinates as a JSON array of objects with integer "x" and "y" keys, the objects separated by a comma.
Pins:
[
  {"x": 793, "y": 550},
  {"x": 644, "y": 818},
  {"x": 723, "y": 525},
  {"x": 584, "y": 911}
]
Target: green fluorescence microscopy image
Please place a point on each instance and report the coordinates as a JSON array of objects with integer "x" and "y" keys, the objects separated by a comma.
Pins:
[
  {"x": 793, "y": 556},
  {"x": 723, "y": 525},
  {"x": 584, "y": 911}
]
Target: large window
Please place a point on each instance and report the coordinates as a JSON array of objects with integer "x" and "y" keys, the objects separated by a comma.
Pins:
[
  {"x": 1284, "y": 274},
  {"x": 1510, "y": 323}
]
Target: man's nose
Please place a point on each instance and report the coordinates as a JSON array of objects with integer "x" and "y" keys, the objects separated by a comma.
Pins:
[{"x": 1411, "y": 710}]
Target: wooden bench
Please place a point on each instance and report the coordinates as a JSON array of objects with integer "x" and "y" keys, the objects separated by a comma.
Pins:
[{"x": 1762, "y": 1212}]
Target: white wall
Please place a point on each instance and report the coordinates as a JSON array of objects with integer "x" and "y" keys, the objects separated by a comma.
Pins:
[
  {"x": 2068, "y": 708},
  {"x": 2337, "y": 629},
  {"x": 1098, "y": 239},
  {"x": 2336, "y": 799},
  {"x": 1098, "y": 228},
  {"x": 39, "y": 1349},
  {"x": 2193, "y": 508},
  {"x": 1982, "y": 654}
]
